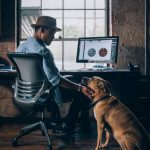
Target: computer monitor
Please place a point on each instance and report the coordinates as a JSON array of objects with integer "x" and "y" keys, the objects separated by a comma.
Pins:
[{"x": 97, "y": 49}]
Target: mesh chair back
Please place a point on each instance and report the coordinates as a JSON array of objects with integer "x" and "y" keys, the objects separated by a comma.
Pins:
[
  {"x": 31, "y": 82},
  {"x": 28, "y": 66}
]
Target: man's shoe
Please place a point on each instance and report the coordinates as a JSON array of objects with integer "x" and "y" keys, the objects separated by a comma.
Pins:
[
  {"x": 53, "y": 122},
  {"x": 63, "y": 128}
]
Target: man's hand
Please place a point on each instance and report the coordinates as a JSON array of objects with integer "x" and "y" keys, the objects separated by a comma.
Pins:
[{"x": 86, "y": 91}]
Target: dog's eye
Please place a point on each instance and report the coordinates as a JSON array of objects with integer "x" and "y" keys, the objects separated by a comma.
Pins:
[{"x": 99, "y": 84}]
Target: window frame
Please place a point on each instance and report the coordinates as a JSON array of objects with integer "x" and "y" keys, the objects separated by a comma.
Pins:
[{"x": 63, "y": 39}]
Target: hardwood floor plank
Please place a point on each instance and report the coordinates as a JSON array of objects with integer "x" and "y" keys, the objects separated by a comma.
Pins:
[{"x": 35, "y": 141}]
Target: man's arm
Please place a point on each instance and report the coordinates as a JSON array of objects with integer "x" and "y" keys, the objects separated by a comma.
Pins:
[{"x": 64, "y": 82}]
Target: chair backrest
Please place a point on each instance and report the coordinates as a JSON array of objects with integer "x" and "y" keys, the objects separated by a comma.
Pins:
[
  {"x": 31, "y": 82},
  {"x": 28, "y": 66}
]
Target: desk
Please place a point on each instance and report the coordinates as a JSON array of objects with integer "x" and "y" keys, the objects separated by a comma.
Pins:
[
  {"x": 124, "y": 86},
  {"x": 113, "y": 76},
  {"x": 78, "y": 74}
]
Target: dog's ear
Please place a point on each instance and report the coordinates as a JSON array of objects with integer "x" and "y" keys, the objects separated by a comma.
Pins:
[
  {"x": 100, "y": 85},
  {"x": 104, "y": 85},
  {"x": 107, "y": 86}
]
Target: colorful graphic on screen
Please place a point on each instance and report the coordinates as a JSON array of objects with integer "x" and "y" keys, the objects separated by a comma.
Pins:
[
  {"x": 91, "y": 52},
  {"x": 103, "y": 52}
]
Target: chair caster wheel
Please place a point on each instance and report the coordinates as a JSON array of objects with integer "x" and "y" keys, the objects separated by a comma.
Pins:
[
  {"x": 49, "y": 147},
  {"x": 15, "y": 143}
]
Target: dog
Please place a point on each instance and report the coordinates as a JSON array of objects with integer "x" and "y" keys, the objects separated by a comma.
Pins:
[{"x": 115, "y": 118}]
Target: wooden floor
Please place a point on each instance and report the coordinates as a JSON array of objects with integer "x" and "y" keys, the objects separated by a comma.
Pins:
[
  {"x": 35, "y": 141},
  {"x": 78, "y": 140}
]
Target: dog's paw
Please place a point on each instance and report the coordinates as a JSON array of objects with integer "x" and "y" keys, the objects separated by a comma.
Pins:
[
  {"x": 104, "y": 145},
  {"x": 97, "y": 148}
]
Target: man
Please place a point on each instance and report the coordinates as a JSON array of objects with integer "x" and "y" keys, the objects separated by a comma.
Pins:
[{"x": 45, "y": 28}]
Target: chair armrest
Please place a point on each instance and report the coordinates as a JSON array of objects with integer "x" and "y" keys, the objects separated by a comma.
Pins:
[{"x": 68, "y": 76}]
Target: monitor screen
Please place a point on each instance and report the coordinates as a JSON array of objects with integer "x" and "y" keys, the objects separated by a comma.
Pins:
[{"x": 97, "y": 49}]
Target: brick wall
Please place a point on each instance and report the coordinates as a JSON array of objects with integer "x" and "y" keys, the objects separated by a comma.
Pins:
[
  {"x": 7, "y": 108},
  {"x": 6, "y": 47},
  {"x": 128, "y": 23}
]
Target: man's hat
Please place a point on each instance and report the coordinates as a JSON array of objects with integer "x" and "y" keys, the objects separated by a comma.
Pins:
[{"x": 46, "y": 21}]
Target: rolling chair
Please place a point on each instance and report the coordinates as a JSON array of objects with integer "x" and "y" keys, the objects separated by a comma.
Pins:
[{"x": 31, "y": 90}]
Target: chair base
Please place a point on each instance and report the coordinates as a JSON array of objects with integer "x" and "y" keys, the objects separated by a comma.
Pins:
[{"x": 30, "y": 128}]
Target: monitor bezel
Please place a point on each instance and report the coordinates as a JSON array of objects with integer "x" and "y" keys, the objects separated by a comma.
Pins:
[{"x": 104, "y": 37}]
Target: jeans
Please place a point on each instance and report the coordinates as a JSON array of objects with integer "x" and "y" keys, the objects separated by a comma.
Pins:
[{"x": 79, "y": 104}]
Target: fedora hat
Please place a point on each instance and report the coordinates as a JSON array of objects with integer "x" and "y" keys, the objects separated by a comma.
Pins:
[{"x": 46, "y": 21}]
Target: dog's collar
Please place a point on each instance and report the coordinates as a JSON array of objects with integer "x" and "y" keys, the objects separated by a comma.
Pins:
[{"x": 93, "y": 104}]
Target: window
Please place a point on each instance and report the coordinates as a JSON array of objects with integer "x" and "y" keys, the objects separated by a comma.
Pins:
[{"x": 79, "y": 18}]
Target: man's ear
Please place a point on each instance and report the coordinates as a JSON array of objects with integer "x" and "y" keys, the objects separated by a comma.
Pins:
[{"x": 42, "y": 29}]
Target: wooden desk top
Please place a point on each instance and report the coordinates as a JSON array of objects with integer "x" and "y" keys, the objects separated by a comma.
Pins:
[{"x": 7, "y": 75}]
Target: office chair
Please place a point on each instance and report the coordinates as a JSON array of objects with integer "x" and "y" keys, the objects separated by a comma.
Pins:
[{"x": 31, "y": 90}]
